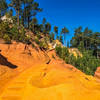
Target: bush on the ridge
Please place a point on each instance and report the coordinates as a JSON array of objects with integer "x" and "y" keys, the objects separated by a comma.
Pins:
[
  {"x": 43, "y": 45},
  {"x": 87, "y": 64},
  {"x": 14, "y": 33},
  {"x": 4, "y": 29},
  {"x": 38, "y": 36},
  {"x": 37, "y": 41},
  {"x": 18, "y": 35},
  {"x": 27, "y": 39},
  {"x": 51, "y": 36},
  {"x": 11, "y": 33},
  {"x": 59, "y": 51},
  {"x": 7, "y": 39}
]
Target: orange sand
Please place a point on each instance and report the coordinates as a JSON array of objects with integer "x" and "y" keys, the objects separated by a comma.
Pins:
[{"x": 36, "y": 80}]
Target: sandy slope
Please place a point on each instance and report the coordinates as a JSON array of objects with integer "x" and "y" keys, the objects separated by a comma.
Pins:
[{"x": 41, "y": 77}]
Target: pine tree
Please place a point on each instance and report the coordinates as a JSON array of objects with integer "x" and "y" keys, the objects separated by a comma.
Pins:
[
  {"x": 44, "y": 21},
  {"x": 3, "y": 7},
  {"x": 43, "y": 24},
  {"x": 33, "y": 24},
  {"x": 56, "y": 31},
  {"x": 16, "y": 4},
  {"x": 31, "y": 8},
  {"x": 47, "y": 28},
  {"x": 65, "y": 31}
]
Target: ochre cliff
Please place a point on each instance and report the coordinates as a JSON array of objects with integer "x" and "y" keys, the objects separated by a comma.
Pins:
[
  {"x": 37, "y": 75},
  {"x": 97, "y": 74}
]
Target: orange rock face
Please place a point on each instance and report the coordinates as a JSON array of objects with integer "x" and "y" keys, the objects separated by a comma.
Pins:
[
  {"x": 42, "y": 76},
  {"x": 97, "y": 74}
]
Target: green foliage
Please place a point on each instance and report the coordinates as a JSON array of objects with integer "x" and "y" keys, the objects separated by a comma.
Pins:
[
  {"x": 56, "y": 31},
  {"x": 9, "y": 14},
  {"x": 16, "y": 4},
  {"x": 4, "y": 29},
  {"x": 5, "y": 32},
  {"x": 11, "y": 33},
  {"x": 61, "y": 39},
  {"x": 81, "y": 46},
  {"x": 86, "y": 40},
  {"x": 37, "y": 41},
  {"x": 7, "y": 39},
  {"x": 14, "y": 32},
  {"x": 51, "y": 36},
  {"x": 43, "y": 45},
  {"x": 59, "y": 51},
  {"x": 19, "y": 35},
  {"x": 31, "y": 8},
  {"x": 27, "y": 39},
  {"x": 33, "y": 45},
  {"x": 64, "y": 32},
  {"x": 34, "y": 25},
  {"x": 68, "y": 44},
  {"x": 47, "y": 28},
  {"x": 22, "y": 36},
  {"x": 3, "y": 7},
  {"x": 44, "y": 21},
  {"x": 43, "y": 25},
  {"x": 38, "y": 35},
  {"x": 87, "y": 64}
]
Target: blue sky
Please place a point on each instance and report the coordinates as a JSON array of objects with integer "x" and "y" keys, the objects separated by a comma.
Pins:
[{"x": 71, "y": 13}]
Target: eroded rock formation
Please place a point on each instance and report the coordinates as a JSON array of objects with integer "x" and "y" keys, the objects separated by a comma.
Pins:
[{"x": 35, "y": 79}]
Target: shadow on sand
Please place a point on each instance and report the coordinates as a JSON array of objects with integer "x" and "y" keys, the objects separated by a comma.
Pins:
[{"x": 5, "y": 62}]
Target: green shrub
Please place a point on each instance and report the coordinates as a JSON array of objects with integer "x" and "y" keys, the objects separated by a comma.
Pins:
[
  {"x": 43, "y": 45},
  {"x": 14, "y": 33},
  {"x": 22, "y": 36},
  {"x": 7, "y": 39},
  {"x": 87, "y": 64},
  {"x": 27, "y": 39},
  {"x": 18, "y": 35},
  {"x": 38, "y": 36},
  {"x": 33, "y": 45},
  {"x": 59, "y": 51},
  {"x": 4, "y": 29},
  {"x": 51, "y": 36},
  {"x": 36, "y": 41}
]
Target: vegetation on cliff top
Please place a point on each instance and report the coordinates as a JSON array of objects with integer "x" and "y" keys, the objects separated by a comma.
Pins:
[{"x": 87, "y": 63}]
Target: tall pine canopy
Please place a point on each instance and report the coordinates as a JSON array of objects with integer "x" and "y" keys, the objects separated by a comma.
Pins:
[{"x": 3, "y": 7}]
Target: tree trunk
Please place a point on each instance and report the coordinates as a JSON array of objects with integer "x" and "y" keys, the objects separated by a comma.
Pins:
[
  {"x": 64, "y": 39},
  {"x": 28, "y": 22},
  {"x": 24, "y": 13},
  {"x": 97, "y": 54},
  {"x": 86, "y": 44},
  {"x": 18, "y": 19}
]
